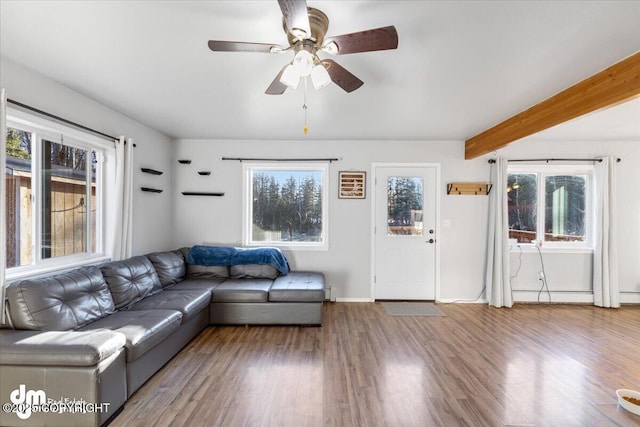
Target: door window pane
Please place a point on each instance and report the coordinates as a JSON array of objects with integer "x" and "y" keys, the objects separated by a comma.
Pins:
[
  {"x": 18, "y": 198},
  {"x": 522, "y": 195},
  {"x": 565, "y": 206},
  {"x": 405, "y": 196},
  {"x": 64, "y": 199}
]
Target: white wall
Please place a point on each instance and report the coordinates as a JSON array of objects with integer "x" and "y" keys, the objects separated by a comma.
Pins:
[
  {"x": 347, "y": 264},
  {"x": 152, "y": 212}
]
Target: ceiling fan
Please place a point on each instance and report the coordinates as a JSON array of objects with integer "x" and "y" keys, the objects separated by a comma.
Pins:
[{"x": 306, "y": 28}]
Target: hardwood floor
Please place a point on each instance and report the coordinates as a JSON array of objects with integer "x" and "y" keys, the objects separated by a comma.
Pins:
[{"x": 532, "y": 365}]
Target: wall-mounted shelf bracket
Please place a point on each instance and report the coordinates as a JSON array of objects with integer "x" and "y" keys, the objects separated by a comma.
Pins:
[
  {"x": 151, "y": 171},
  {"x": 151, "y": 190},
  {"x": 200, "y": 193}
]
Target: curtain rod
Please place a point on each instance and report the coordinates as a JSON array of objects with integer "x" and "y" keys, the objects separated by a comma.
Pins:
[
  {"x": 257, "y": 159},
  {"x": 554, "y": 160},
  {"x": 69, "y": 122}
]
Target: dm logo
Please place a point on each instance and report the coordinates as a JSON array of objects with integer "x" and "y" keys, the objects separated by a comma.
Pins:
[{"x": 25, "y": 400}]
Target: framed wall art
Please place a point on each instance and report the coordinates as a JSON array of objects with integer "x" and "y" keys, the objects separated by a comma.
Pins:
[{"x": 352, "y": 185}]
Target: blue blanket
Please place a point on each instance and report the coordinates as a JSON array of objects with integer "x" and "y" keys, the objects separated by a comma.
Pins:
[{"x": 227, "y": 255}]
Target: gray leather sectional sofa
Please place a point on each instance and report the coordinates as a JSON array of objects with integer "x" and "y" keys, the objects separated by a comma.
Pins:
[{"x": 82, "y": 342}]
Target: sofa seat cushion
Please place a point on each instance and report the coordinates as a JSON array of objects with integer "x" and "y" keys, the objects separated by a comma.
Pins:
[
  {"x": 169, "y": 266},
  {"x": 298, "y": 286},
  {"x": 189, "y": 303},
  {"x": 130, "y": 280},
  {"x": 242, "y": 290},
  {"x": 143, "y": 330},
  {"x": 58, "y": 348},
  {"x": 60, "y": 302},
  {"x": 195, "y": 284}
]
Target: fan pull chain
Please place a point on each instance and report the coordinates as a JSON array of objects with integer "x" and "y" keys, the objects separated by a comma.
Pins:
[{"x": 305, "y": 128}]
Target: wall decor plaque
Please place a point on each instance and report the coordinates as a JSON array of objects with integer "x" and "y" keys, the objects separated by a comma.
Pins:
[{"x": 352, "y": 185}]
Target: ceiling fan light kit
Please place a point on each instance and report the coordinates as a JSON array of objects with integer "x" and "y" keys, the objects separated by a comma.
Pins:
[
  {"x": 320, "y": 77},
  {"x": 306, "y": 28}
]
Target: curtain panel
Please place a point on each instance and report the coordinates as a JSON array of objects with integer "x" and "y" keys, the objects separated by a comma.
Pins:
[
  {"x": 123, "y": 208},
  {"x": 3, "y": 192},
  {"x": 605, "y": 256},
  {"x": 497, "y": 281}
]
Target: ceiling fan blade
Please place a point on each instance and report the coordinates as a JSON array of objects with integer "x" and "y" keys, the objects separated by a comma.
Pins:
[
  {"x": 227, "y": 46},
  {"x": 277, "y": 87},
  {"x": 383, "y": 38},
  {"x": 341, "y": 76},
  {"x": 296, "y": 17}
]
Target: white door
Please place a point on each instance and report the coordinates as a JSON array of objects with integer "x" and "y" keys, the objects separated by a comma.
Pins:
[{"x": 405, "y": 232}]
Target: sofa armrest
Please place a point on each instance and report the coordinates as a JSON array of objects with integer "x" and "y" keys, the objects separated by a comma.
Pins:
[{"x": 58, "y": 348}]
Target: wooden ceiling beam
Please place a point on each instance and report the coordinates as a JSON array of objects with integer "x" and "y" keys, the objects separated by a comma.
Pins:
[{"x": 614, "y": 85}]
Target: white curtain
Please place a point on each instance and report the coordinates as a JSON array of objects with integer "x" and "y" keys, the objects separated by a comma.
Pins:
[
  {"x": 605, "y": 257},
  {"x": 123, "y": 214},
  {"x": 3, "y": 192},
  {"x": 498, "y": 287}
]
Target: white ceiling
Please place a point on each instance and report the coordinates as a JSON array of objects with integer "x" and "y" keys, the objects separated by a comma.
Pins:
[{"x": 460, "y": 67}]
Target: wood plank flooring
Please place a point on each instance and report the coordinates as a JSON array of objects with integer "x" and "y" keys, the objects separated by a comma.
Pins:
[{"x": 532, "y": 365}]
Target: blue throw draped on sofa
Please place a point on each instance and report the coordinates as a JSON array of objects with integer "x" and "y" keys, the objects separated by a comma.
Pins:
[{"x": 227, "y": 255}]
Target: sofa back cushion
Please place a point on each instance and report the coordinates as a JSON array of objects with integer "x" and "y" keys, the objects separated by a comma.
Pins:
[
  {"x": 61, "y": 302},
  {"x": 130, "y": 280},
  {"x": 195, "y": 271},
  {"x": 169, "y": 266},
  {"x": 253, "y": 271}
]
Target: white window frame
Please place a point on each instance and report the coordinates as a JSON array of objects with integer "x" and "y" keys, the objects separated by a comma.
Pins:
[
  {"x": 541, "y": 172},
  {"x": 247, "y": 204},
  {"x": 42, "y": 128}
]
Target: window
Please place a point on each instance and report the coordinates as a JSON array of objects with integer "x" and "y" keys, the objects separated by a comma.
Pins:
[
  {"x": 53, "y": 201},
  {"x": 550, "y": 204},
  {"x": 286, "y": 206}
]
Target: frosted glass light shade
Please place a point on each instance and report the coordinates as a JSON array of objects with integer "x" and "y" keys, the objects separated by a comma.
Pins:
[
  {"x": 290, "y": 77},
  {"x": 320, "y": 77},
  {"x": 303, "y": 63}
]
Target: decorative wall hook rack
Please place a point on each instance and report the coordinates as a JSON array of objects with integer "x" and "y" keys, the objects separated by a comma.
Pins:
[{"x": 469, "y": 188}]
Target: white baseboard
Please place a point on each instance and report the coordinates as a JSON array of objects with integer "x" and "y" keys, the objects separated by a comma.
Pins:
[
  {"x": 556, "y": 297},
  {"x": 461, "y": 301},
  {"x": 528, "y": 297},
  {"x": 630, "y": 297}
]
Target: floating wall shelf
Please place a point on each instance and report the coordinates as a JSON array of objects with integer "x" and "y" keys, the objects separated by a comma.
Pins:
[
  {"x": 200, "y": 193},
  {"x": 469, "y": 188},
  {"x": 151, "y": 190},
  {"x": 151, "y": 171}
]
